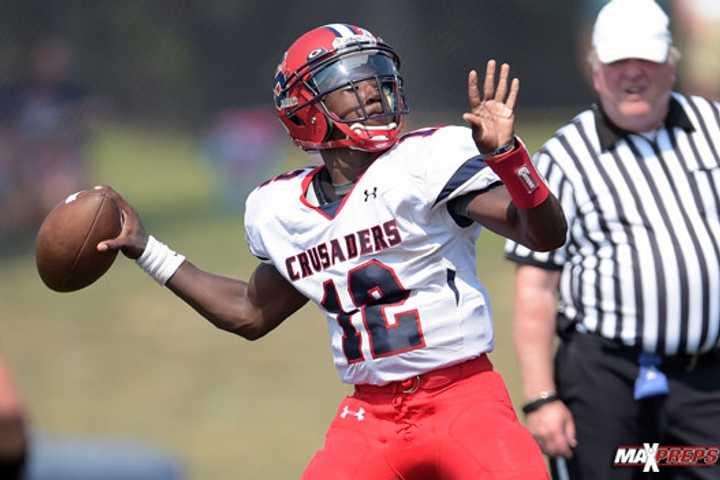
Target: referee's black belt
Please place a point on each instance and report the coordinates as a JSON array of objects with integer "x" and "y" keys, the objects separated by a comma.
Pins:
[{"x": 682, "y": 361}]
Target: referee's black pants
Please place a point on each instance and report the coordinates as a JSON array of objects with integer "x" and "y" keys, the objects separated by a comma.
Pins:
[{"x": 595, "y": 379}]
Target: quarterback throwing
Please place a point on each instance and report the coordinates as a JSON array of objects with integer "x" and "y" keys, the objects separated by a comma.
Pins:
[{"x": 381, "y": 238}]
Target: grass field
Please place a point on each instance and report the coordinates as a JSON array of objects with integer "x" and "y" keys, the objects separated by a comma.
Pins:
[{"x": 125, "y": 359}]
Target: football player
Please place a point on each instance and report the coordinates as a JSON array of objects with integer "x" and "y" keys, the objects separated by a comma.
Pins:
[{"x": 381, "y": 238}]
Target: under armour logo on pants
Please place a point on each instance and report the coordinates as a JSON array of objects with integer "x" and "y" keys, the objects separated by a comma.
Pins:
[{"x": 360, "y": 414}]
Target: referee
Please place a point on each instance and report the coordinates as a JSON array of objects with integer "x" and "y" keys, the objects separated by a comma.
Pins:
[{"x": 634, "y": 294}]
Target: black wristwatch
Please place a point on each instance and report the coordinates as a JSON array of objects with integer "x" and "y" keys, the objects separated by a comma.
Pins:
[{"x": 543, "y": 399}]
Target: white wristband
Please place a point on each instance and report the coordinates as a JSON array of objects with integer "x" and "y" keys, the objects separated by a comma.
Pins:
[{"x": 159, "y": 261}]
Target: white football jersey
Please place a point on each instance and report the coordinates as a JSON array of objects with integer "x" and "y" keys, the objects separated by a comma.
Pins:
[{"x": 391, "y": 268}]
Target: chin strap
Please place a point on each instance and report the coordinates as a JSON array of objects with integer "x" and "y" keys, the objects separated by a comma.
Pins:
[
  {"x": 330, "y": 129},
  {"x": 371, "y": 133}
]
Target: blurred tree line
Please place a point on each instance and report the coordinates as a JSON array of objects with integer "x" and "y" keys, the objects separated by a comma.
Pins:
[{"x": 183, "y": 59}]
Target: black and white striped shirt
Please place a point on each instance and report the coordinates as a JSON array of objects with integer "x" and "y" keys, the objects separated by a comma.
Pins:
[{"x": 642, "y": 262}]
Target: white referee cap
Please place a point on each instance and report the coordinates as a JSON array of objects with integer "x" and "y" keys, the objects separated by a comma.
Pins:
[{"x": 632, "y": 29}]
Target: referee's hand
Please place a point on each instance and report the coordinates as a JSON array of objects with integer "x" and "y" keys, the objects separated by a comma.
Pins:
[{"x": 553, "y": 428}]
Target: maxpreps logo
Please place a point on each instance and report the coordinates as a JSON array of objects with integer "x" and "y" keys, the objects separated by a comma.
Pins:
[{"x": 651, "y": 456}]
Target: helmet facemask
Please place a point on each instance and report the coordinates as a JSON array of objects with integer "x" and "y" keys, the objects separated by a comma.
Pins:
[
  {"x": 369, "y": 129},
  {"x": 350, "y": 73}
]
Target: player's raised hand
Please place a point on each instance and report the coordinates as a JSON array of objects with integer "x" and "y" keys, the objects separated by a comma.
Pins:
[
  {"x": 492, "y": 109},
  {"x": 132, "y": 238}
]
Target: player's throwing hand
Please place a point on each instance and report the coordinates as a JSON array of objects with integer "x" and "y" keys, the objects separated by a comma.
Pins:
[
  {"x": 132, "y": 238},
  {"x": 492, "y": 115}
]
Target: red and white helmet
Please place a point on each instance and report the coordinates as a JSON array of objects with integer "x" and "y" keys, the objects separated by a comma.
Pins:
[{"x": 329, "y": 58}]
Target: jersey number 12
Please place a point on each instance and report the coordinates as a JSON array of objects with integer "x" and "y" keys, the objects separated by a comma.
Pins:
[{"x": 373, "y": 286}]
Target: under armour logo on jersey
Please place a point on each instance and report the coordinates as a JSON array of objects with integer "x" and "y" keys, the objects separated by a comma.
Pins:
[
  {"x": 526, "y": 177},
  {"x": 370, "y": 193},
  {"x": 360, "y": 414}
]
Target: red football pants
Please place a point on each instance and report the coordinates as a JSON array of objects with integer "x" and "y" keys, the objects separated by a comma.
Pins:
[{"x": 455, "y": 423}]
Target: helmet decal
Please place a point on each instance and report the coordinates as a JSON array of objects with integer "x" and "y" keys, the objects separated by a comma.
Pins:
[{"x": 279, "y": 86}]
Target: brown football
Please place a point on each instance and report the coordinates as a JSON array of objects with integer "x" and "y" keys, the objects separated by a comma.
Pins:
[{"x": 66, "y": 246}]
